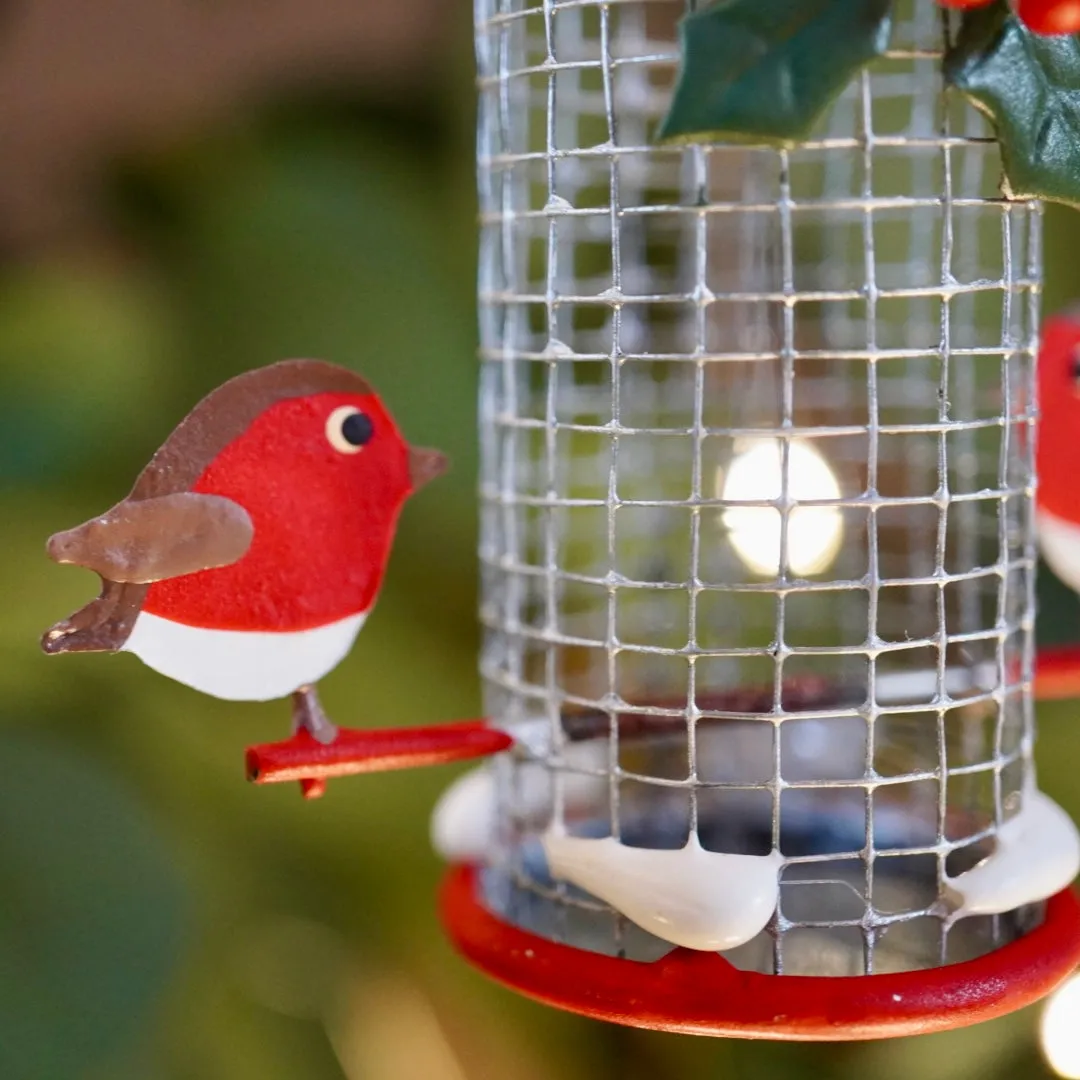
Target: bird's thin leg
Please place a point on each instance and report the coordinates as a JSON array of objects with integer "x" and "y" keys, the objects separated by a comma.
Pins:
[{"x": 308, "y": 713}]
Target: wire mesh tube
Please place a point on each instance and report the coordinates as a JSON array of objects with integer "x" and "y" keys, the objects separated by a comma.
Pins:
[{"x": 757, "y": 543}]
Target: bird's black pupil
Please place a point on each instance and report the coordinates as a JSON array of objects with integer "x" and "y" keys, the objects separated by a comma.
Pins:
[
  {"x": 357, "y": 429},
  {"x": 1075, "y": 369}
]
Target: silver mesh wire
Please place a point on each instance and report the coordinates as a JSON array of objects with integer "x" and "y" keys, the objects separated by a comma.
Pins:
[{"x": 649, "y": 314}]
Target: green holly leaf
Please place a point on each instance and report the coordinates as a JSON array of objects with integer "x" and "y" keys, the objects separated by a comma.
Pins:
[
  {"x": 1029, "y": 86},
  {"x": 766, "y": 70}
]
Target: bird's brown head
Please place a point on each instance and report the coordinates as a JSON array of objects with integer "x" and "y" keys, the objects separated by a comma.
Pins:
[{"x": 293, "y": 414}]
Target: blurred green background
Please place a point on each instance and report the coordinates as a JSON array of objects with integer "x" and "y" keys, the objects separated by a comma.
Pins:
[{"x": 163, "y": 227}]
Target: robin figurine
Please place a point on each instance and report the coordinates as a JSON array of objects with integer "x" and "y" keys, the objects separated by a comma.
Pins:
[{"x": 252, "y": 546}]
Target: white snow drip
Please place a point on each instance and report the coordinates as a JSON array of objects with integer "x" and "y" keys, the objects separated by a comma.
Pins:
[
  {"x": 1037, "y": 855},
  {"x": 463, "y": 824},
  {"x": 689, "y": 896}
]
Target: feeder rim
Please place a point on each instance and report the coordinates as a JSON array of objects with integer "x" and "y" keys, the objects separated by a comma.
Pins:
[{"x": 703, "y": 994}]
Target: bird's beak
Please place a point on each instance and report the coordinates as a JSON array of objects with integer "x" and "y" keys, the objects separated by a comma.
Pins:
[{"x": 425, "y": 465}]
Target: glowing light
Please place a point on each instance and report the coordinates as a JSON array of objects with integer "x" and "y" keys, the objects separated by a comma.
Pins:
[
  {"x": 814, "y": 533},
  {"x": 1059, "y": 1030}
]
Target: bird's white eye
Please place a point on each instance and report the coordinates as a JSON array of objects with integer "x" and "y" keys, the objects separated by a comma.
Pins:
[{"x": 349, "y": 430}]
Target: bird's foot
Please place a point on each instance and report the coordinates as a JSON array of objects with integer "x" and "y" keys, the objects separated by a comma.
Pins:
[{"x": 308, "y": 714}]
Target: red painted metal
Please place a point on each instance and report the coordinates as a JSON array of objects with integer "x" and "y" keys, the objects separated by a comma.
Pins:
[
  {"x": 1057, "y": 673},
  {"x": 702, "y": 994},
  {"x": 1050, "y": 16},
  {"x": 313, "y": 789},
  {"x": 354, "y": 751}
]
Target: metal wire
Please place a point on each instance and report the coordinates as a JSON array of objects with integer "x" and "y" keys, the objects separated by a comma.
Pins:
[{"x": 651, "y": 314}]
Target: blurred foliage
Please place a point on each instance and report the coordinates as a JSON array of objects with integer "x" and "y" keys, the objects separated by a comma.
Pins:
[
  {"x": 95, "y": 951},
  {"x": 313, "y": 949}
]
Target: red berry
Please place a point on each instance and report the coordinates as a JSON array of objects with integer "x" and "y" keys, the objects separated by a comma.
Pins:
[{"x": 1050, "y": 16}]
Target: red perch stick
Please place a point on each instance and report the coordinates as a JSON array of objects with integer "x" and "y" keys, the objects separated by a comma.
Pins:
[
  {"x": 379, "y": 750},
  {"x": 302, "y": 758}
]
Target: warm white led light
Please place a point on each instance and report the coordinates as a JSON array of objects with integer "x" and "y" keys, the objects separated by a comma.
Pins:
[
  {"x": 814, "y": 532},
  {"x": 1059, "y": 1030}
]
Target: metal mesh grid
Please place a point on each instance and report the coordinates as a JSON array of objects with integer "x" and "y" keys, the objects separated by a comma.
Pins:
[{"x": 649, "y": 316}]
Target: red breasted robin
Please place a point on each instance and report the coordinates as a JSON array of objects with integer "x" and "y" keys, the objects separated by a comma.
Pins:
[
  {"x": 252, "y": 546},
  {"x": 1057, "y": 501}
]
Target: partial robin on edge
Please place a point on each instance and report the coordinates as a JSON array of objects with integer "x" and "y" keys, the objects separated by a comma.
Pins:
[
  {"x": 1057, "y": 498},
  {"x": 252, "y": 546}
]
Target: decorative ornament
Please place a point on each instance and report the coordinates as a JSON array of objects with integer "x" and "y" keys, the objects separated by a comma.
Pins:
[
  {"x": 1057, "y": 498},
  {"x": 1029, "y": 86},
  {"x": 251, "y": 550},
  {"x": 1041, "y": 16},
  {"x": 765, "y": 70},
  {"x": 1049, "y": 16}
]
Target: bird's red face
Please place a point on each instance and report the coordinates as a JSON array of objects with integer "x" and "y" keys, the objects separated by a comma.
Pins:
[
  {"x": 1058, "y": 447},
  {"x": 323, "y": 478},
  {"x": 340, "y": 449}
]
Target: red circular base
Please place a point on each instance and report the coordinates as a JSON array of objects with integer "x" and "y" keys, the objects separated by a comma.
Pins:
[{"x": 702, "y": 994}]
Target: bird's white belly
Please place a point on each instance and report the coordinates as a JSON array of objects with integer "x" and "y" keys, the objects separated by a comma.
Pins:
[
  {"x": 241, "y": 665},
  {"x": 1059, "y": 541}
]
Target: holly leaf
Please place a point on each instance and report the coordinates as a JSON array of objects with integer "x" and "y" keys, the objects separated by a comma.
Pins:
[
  {"x": 766, "y": 70},
  {"x": 1029, "y": 86}
]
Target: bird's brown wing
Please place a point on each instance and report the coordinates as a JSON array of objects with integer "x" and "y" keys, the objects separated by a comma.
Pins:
[
  {"x": 134, "y": 544},
  {"x": 150, "y": 540}
]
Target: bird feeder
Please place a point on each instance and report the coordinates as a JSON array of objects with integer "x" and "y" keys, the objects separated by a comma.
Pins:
[{"x": 757, "y": 551}]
